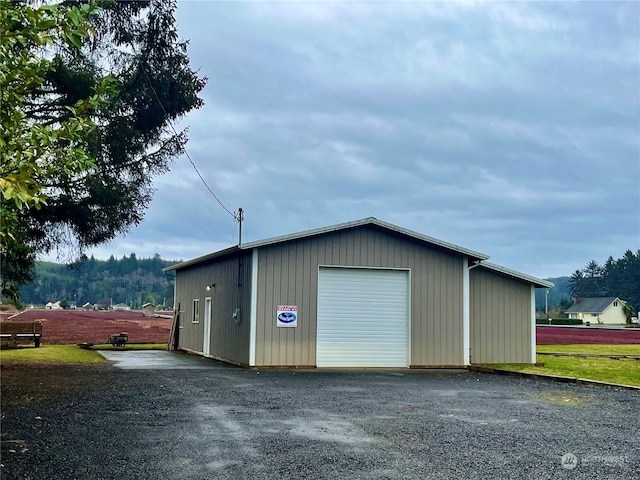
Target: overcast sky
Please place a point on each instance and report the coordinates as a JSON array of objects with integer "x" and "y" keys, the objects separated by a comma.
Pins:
[{"x": 512, "y": 129}]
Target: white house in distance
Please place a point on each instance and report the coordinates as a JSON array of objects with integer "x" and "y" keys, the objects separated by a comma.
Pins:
[{"x": 604, "y": 310}]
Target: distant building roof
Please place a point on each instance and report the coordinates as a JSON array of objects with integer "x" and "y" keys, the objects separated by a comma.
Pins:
[{"x": 592, "y": 305}]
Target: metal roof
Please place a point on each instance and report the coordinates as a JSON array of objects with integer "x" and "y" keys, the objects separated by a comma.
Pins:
[
  {"x": 369, "y": 221},
  {"x": 537, "y": 282},
  {"x": 592, "y": 305}
]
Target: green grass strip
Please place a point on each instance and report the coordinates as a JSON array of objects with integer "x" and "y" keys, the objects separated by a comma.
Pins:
[
  {"x": 68, "y": 353},
  {"x": 624, "y": 372},
  {"x": 617, "y": 349},
  {"x": 51, "y": 354}
]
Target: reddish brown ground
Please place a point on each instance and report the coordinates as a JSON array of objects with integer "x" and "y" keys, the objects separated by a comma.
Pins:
[
  {"x": 573, "y": 335},
  {"x": 78, "y": 326}
]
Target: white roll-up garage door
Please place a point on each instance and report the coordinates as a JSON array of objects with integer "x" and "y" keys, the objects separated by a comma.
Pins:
[{"x": 362, "y": 317}]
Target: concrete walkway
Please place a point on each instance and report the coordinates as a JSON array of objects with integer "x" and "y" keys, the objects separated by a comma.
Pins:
[{"x": 156, "y": 360}]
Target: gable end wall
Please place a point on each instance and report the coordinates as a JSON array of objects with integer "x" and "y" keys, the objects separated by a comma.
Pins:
[{"x": 288, "y": 275}]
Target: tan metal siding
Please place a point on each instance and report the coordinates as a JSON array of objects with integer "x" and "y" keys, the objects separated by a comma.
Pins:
[
  {"x": 436, "y": 293},
  {"x": 229, "y": 340},
  {"x": 500, "y": 318}
]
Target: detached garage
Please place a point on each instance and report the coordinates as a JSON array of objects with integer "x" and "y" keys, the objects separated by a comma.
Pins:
[{"x": 359, "y": 294}]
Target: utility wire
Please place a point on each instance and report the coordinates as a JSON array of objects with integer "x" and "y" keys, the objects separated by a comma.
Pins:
[{"x": 233, "y": 214}]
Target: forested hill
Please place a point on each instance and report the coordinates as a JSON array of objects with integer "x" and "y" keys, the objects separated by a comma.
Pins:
[{"x": 129, "y": 280}]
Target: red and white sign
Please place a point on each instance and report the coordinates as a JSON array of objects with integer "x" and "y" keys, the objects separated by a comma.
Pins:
[{"x": 287, "y": 316}]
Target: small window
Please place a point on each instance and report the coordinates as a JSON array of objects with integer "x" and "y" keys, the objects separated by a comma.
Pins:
[
  {"x": 195, "y": 314},
  {"x": 615, "y": 304},
  {"x": 594, "y": 314}
]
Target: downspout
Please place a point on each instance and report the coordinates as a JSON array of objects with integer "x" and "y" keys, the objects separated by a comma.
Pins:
[{"x": 253, "y": 312}]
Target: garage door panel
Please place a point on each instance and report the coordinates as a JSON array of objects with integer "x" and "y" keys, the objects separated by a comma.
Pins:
[{"x": 362, "y": 317}]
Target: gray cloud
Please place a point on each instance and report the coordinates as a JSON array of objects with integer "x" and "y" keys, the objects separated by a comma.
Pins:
[{"x": 510, "y": 128}]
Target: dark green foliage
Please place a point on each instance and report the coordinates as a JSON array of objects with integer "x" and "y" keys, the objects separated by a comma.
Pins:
[
  {"x": 128, "y": 280},
  {"x": 137, "y": 44},
  {"x": 564, "y": 304},
  {"x": 558, "y": 321},
  {"x": 17, "y": 259}
]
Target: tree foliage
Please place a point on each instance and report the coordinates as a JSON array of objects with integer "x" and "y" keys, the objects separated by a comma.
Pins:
[
  {"x": 31, "y": 151},
  {"x": 110, "y": 98},
  {"x": 616, "y": 278}
]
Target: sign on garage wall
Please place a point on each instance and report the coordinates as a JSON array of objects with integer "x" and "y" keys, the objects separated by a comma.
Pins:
[{"x": 287, "y": 316}]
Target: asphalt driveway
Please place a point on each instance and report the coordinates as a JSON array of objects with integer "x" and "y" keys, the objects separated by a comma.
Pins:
[{"x": 199, "y": 419}]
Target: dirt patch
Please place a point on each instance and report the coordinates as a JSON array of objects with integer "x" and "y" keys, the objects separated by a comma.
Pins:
[{"x": 76, "y": 326}]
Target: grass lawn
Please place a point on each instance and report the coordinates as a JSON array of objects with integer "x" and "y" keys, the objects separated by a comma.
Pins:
[
  {"x": 625, "y": 372},
  {"x": 67, "y": 353},
  {"x": 618, "y": 349},
  {"x": 51, "y": 354}
]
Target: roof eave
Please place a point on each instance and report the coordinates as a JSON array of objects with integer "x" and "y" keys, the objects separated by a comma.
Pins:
[
  {"x": 537, "y": 282},
  {"x": 204, "y": 258}
]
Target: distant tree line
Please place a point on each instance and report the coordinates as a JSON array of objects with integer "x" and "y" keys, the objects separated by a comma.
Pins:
[
  {"x": 616, "y": 278},
  {"x": 127, "y": 280}
]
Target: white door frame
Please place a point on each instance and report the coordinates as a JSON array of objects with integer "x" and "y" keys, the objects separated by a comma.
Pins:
[{"x": 206, "y": 336}]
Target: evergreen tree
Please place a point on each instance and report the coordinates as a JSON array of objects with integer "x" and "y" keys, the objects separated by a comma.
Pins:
[
  {"x": 142, "y": 69},
  {"x": 576, "y": 283}
]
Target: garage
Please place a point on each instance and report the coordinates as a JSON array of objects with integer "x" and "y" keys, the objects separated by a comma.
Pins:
[
  {"x": 362, "y": 317},
  {"x": 361, "y": 294}
]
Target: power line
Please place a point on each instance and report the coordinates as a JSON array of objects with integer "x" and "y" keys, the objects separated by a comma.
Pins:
[{"x": 233, "y": 214}]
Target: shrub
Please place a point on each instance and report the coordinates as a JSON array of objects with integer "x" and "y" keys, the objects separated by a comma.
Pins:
[
  {"x": 558, "y": 321},
  {"x": 565, "y": 321}
]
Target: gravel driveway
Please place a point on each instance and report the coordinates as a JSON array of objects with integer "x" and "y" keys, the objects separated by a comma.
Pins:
[{"x": 217, "y": 422}]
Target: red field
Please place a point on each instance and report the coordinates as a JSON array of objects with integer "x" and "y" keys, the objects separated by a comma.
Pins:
[
  {"x": 78, "y": 326},
  {"x": 580, "y": 335}
]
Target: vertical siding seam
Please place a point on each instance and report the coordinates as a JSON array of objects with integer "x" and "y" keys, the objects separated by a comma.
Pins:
[
  {"x": 533, "y": 324},
  {"x": 465, "y": 312},
  {"x": 253, "y": 312}
]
